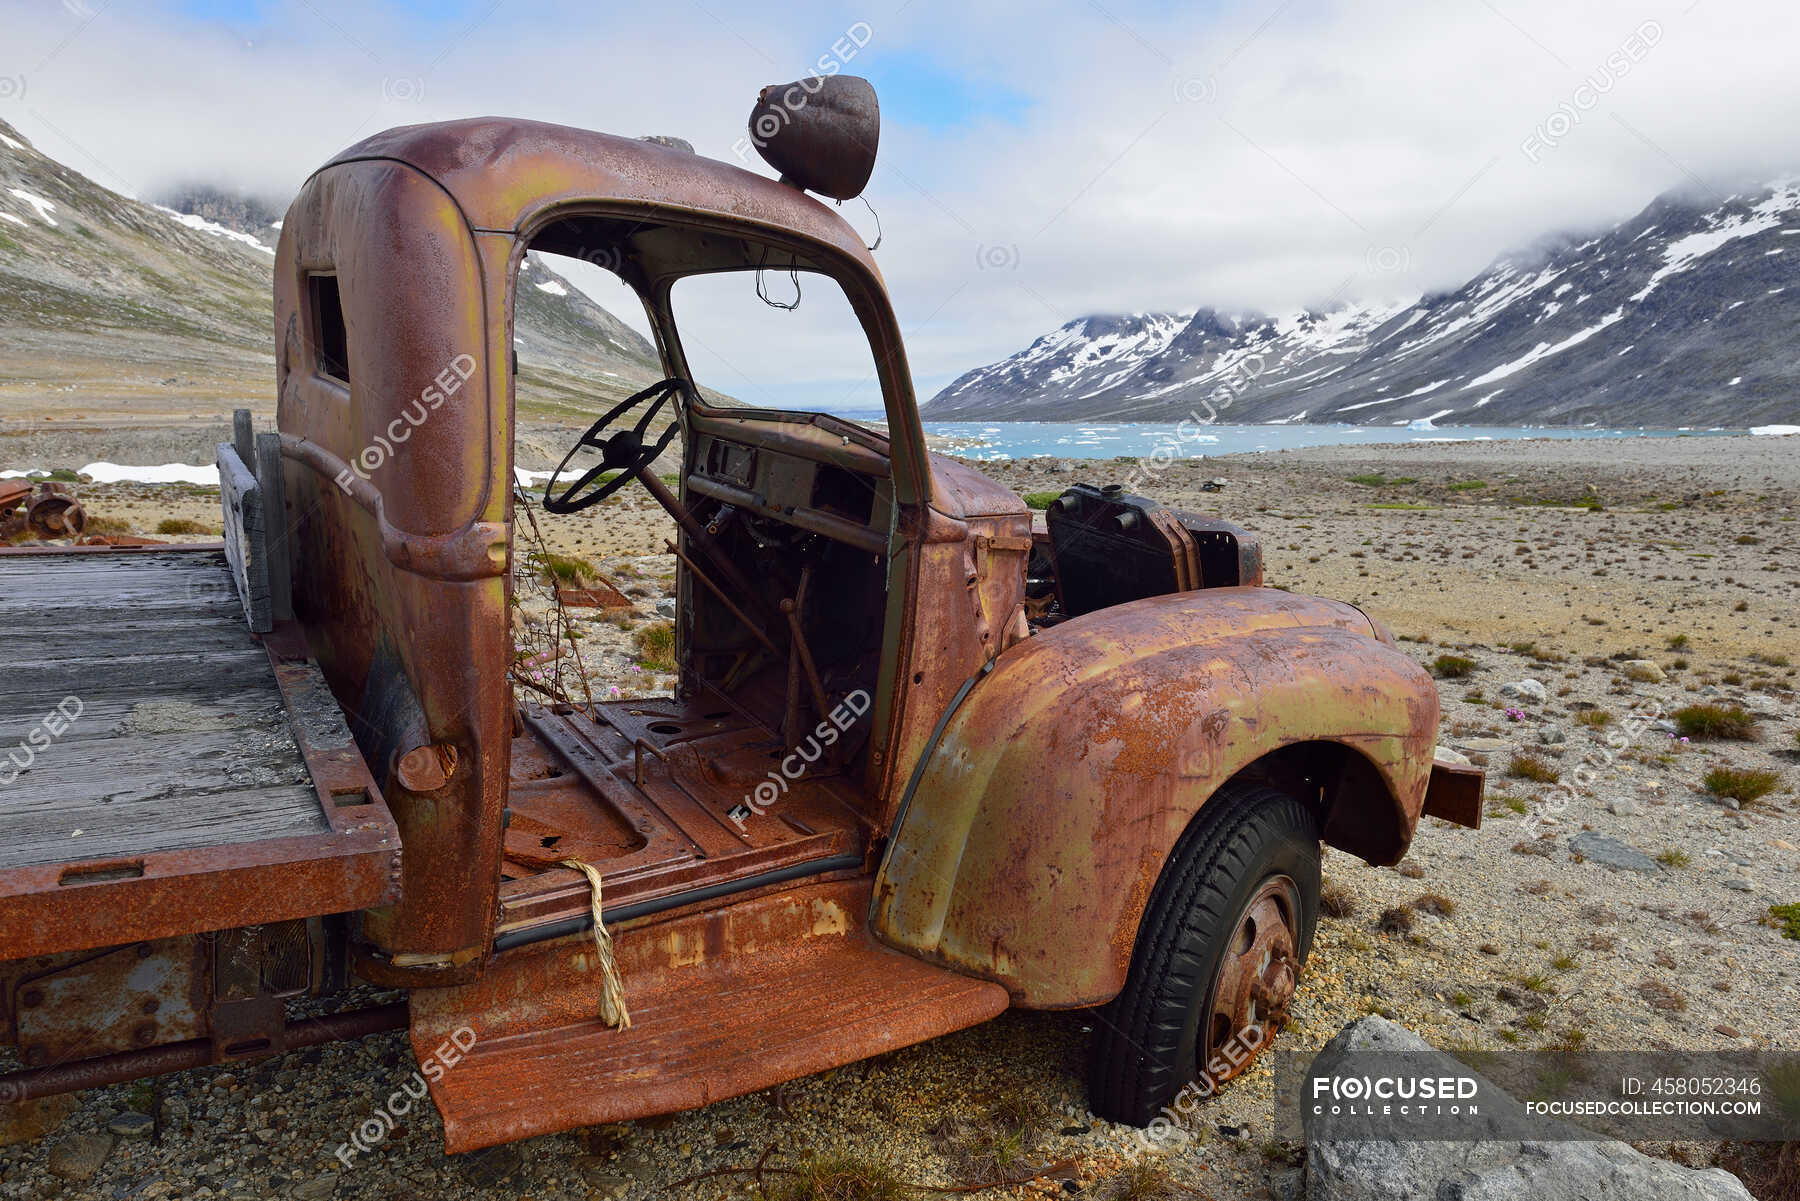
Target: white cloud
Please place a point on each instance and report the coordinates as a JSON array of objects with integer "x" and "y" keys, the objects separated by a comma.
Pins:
[{"x": 1167, "y": 161}]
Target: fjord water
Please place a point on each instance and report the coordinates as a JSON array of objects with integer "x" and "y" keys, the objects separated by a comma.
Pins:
[{"x": 1107, "y": 440}]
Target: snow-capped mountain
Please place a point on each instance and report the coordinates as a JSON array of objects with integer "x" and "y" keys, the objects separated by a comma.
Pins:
[
  {"x": 1683, "y": 315},
  {"x": 165, "y": 310}
]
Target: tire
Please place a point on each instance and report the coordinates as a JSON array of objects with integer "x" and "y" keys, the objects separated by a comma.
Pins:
[{"x": 1247, "y": 864}]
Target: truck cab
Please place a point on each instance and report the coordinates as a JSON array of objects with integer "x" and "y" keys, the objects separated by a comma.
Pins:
[{"x": 925, "y": 760}]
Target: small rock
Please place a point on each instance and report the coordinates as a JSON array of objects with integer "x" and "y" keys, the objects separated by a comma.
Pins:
[
  {"x": 316, "y": 1189},
  {"x": 132, "y": 1125},
  {"x": 1598, "y": 848},
  {"x": 1645, "y": 669},
  {"x": 666, "y": 607},
  {"x": 1484, "y": 746},
  {"x": 79, "y": 1156},
  {"x": 1739, "y": 884},
  {"x": 1529, "y": 690},
  {"x": 1552, "y": 736},
  {"x": 1727, "y": 1031},
  {"x": 1624, "y": 807},
  {"x": 1444, "y": 754},
  {"x": 1487, "y": 1167}
]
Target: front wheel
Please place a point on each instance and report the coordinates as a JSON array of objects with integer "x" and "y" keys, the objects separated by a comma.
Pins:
[{"x": 1217, "y": 958}]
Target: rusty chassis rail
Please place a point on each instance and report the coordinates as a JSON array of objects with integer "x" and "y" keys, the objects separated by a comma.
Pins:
[{"x": 125, "y": 1066}]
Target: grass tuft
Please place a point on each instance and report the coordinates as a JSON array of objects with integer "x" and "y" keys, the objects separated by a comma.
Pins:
[
  {"x": 839, "y": 1178},
  {"x": 1397, "y": 920},
  {"x": 1741, "y": 784},
  {"x": 564, "y": 571},
  {"x": 1730, "y": 723},
  {"x": 1436, "y": 904},
  {"x": 1040, "y": 500},
  {"x": 1660, "y": 994},
  {"x": 1452, "y": 667},
  {"x": 656, "y": 645},
  {"x": 1145, "y": 1182},
  {"x": 998, "y": 1143},
  {"x": 1336, "y": 901},
  {"x": 1527, "y": 766}
]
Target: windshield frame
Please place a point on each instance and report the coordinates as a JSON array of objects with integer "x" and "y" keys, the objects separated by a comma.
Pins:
[{"x": 706, "y": 252}]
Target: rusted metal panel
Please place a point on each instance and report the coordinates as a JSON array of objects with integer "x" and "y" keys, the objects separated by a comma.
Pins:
[
  {"x": 1048, "y": 807},
  {"x": 1454, "y": 794},
  {"x": 399, "y": 491},
  {"x": 723, "y": 1002},
  {"x": 601, "y": 594},
  {"x": 138, "y": 995}
]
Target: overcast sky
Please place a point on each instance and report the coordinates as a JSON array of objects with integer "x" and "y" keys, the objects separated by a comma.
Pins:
[{"x": 1038, "y": 161}]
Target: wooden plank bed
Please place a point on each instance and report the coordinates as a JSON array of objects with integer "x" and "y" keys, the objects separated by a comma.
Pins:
[{"x": 162, "y": 766}]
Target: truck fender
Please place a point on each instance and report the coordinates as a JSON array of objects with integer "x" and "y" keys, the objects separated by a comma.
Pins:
[{"x": 1040, "y": 819}]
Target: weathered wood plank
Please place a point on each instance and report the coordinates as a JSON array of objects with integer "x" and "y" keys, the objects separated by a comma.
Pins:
[
  {"x": 175, "y": 672},
  {"x": 246, "y": 526},
  {"x": 249, "y": 706},
  {"x": 155, "y": 631},
  {"x": 69, "y": 777},
  {"x": 243, "y": 437},
  {"x": 275, "y": 547},
  {"x": 49, "y": 568},
  {"x": 174, "y": 823},
  {"x": 22, "y": 621}
]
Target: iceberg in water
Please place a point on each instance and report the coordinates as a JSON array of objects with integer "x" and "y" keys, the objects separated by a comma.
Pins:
[{"x": 1775, "y": 431}]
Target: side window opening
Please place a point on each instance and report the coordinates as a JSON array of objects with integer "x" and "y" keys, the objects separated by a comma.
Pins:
[{"x": 331, "y": 340}]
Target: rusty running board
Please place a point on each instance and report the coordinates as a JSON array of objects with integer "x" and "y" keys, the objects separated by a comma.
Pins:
[{"x": 723, "y": 1003}]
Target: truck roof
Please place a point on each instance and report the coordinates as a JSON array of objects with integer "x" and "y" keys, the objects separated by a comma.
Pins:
[{"x": 504, "y": 173}]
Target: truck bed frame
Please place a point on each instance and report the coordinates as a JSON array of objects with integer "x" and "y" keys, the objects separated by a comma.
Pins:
[{"x": 166, "y": 773}]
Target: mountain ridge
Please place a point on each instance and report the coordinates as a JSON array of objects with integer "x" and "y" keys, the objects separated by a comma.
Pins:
[
  {"x": 1543, "y": 335},
  {"x": 160, "y": 311}
]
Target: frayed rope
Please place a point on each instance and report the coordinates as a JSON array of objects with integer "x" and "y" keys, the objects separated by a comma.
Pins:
[{"x": 612, "y": 988}]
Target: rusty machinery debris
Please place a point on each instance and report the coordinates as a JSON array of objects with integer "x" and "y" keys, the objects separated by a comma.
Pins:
[{"x": 48, "y": 512}]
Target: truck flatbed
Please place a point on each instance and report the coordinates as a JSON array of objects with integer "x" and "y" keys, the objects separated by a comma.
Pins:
[{"x": 155, "y": 752}]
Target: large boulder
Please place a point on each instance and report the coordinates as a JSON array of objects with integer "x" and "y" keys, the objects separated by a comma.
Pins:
[{"x": 1491, "y": 1169}]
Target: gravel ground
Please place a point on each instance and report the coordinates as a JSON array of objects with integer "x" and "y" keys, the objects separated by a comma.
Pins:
[{"x": 1682, "y": 556}]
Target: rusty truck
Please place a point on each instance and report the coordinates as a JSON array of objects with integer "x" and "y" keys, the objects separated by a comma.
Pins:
[{"x": 927, "y": 758}]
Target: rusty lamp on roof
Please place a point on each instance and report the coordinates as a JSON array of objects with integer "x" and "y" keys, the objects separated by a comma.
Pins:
[{"x": 819, "y": 132}]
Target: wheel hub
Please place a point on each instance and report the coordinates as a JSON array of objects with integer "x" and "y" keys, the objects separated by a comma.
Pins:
[{"x": 1255, "y": 983}]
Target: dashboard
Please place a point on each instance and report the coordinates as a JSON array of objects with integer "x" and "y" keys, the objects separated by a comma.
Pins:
[{"x": 828, "y": 485}]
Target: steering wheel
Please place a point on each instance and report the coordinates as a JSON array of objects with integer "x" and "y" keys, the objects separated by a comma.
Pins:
[{"x": 625, "y": 452}]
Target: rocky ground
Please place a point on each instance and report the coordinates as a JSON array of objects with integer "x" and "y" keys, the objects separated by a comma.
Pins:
[{"x": 1564, "y": 592}]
